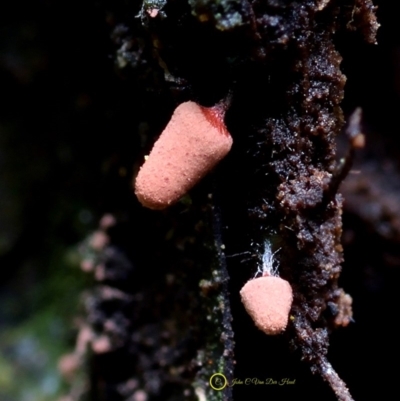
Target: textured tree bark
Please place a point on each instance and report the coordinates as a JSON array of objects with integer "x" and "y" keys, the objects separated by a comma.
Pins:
[{"x": 161, "y": 308}]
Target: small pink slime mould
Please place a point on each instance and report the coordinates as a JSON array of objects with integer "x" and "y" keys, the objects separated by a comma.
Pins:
[{"x": 268, "y": 299}]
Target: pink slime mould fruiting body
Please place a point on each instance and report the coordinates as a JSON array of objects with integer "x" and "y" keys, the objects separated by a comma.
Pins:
[
  {"x": 268, "y": 300},
  {"x": 192, "y": 143}
]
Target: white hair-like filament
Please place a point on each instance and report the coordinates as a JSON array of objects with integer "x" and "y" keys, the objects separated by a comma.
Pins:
[{"x": 268, "y": 266}]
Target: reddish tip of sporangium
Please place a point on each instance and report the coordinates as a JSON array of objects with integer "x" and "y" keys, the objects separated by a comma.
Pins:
[
  {"x": 268, "y": 300},
  {"x": 215, "y": 116},
  {"x": 191, "y": 145}
]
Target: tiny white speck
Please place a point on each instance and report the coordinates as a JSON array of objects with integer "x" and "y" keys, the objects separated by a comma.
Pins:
[{"x": 201, "y": 395}]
